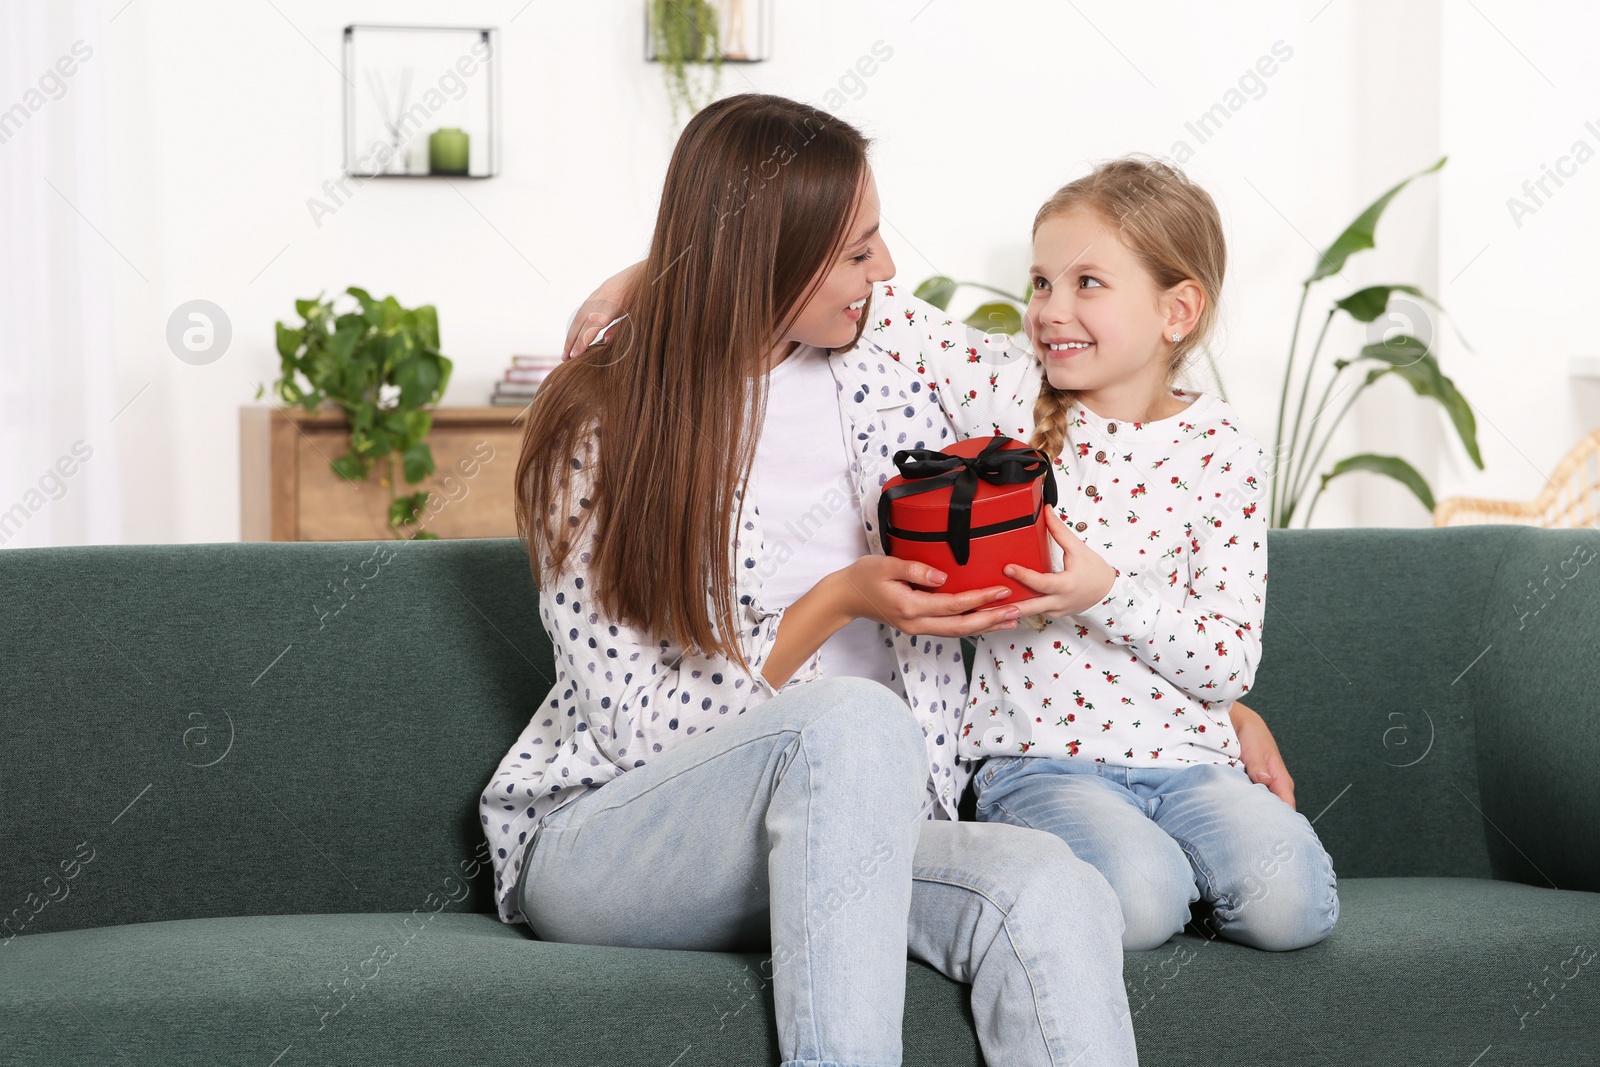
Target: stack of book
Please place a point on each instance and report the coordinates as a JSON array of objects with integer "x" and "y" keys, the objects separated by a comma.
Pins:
[{"x": 522, "y": 380}]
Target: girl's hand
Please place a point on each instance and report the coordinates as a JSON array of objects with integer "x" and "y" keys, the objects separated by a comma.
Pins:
[
  {"x": 883, "y": 588},
  {"x": 1082, "y": 582},
  {"x": 1259, "y": 750},
  {"x": 603, "y": 307}
]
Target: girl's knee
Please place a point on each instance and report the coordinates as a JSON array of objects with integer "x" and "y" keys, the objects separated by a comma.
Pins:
[
  {"x": 1142, "y": 875},
  {"x": 1150, "y": 922},
  {"x": 1155, "y": 906},
  {"x": 1154, "y": 888},
  {"x": 1295, "y": 908},
  {"x": 1281, "y": 931},
  {"x": 1142, "y": 936}
]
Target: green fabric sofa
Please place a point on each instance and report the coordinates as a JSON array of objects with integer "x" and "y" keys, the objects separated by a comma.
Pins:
[{"x": 241, "y": 785}]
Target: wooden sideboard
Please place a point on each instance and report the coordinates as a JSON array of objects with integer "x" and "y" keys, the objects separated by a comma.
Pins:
[{"x": 289, "y": 491}]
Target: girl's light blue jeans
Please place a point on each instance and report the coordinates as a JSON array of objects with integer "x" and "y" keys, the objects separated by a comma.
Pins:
[
  {"x": 798, "y": 826},
  {"x": 1167, "y": 837}
]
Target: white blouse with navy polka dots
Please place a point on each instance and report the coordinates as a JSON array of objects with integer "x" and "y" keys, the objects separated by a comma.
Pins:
[{"x": 622, "y": 696}]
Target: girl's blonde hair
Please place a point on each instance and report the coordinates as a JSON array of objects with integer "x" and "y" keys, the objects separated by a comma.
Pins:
[{"x": 1171, "y": 226}]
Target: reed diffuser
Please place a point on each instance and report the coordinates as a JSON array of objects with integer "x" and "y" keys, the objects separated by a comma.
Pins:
[{"x": 400, "y": 158}]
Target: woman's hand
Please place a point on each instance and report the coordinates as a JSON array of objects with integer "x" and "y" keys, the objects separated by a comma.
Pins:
[
  {"x": 880, "y": 588},
  {"x": 1082, "y": 582},
  {"x": 1259, "y": 750},
  {"x": 603, "y": 307},
  {"x": 883, "y": 588}
]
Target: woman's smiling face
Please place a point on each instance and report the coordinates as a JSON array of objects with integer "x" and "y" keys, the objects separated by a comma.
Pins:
[
  {"x": 1095, "y": 317},
  {"x": 828, "y": 319}
]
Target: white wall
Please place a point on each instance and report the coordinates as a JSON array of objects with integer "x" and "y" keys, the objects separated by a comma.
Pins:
[
  {"x": 225, "y": 120},
  {"x": 1522, "y": 289}
]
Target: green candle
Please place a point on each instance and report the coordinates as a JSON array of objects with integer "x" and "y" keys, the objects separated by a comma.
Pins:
[{"x": 447, "y": 151}]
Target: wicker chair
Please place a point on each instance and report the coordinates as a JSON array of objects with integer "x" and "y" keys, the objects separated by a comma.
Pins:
[{"x": 1571, "y": 499}]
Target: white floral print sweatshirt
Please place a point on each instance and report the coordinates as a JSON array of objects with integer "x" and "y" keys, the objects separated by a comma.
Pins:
[{"x": 1146, "y": 677}]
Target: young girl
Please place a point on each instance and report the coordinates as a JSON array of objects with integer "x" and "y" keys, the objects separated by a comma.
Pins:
[{"x": 1106, "y": 722}]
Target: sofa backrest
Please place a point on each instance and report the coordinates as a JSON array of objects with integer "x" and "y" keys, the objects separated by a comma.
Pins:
[
  {"x": 1539, "y": 730},
  {"x": 1417, "y": 718},
  {"x": 235, "y": 729}
]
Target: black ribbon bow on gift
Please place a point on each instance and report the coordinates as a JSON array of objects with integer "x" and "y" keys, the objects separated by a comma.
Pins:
[{"x": 927, "y": 471}]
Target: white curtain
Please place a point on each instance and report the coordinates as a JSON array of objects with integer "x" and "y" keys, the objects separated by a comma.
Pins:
[{"x": 59, "y": 471}]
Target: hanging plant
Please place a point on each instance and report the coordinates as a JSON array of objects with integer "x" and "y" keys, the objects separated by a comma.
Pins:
[{"x": 684, "y": 33}]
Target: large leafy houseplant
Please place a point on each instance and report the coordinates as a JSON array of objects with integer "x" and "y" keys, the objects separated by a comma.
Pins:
[
  {"x": 1404, "y": 355},
  {"x": 682, "y": 32},
  {"x": 380, "y": 364}
]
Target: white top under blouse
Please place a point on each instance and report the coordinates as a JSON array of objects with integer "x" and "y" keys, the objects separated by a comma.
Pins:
[{"x": 812, "y": 518}]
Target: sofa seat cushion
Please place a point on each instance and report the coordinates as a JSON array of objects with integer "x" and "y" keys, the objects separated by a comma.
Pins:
[
  {"x": 459, "y": 988},
  {"x": 1418, "y": 970}
]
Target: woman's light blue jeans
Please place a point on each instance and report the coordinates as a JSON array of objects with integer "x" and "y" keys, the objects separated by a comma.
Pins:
[
  {"x": 1167, "y": 837},
  {"x": 798, "y": 826}
]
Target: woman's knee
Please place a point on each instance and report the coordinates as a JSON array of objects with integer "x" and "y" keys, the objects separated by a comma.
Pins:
[
  {"x": 860, "y": 732},
  {"x": 861, "y": 715}
]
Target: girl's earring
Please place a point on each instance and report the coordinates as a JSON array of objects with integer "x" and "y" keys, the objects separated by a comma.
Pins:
[{"x": 1177, "y": 337}]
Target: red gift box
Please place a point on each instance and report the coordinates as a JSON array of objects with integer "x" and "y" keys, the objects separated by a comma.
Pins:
[{"x": 970, "y": 510}]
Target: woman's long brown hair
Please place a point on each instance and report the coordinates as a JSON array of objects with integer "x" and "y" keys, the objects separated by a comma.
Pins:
[{"x": 758, "y": 200}]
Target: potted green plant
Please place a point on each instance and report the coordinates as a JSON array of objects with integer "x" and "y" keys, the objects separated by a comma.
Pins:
[
  {"x": 380, "y": 364},
  {"x": 1407, "y": 356},
  {"x": 682, "y": 32}
]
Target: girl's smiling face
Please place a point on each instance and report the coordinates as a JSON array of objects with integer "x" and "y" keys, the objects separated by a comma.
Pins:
[{"x": 1095, "y": 317}]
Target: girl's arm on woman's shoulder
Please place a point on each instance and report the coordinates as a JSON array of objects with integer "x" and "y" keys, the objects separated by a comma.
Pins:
[
  {"x": 1203, "y": 636},
  {"x": 602, "y": 307},
  {"x": 984, "y": 383}
]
